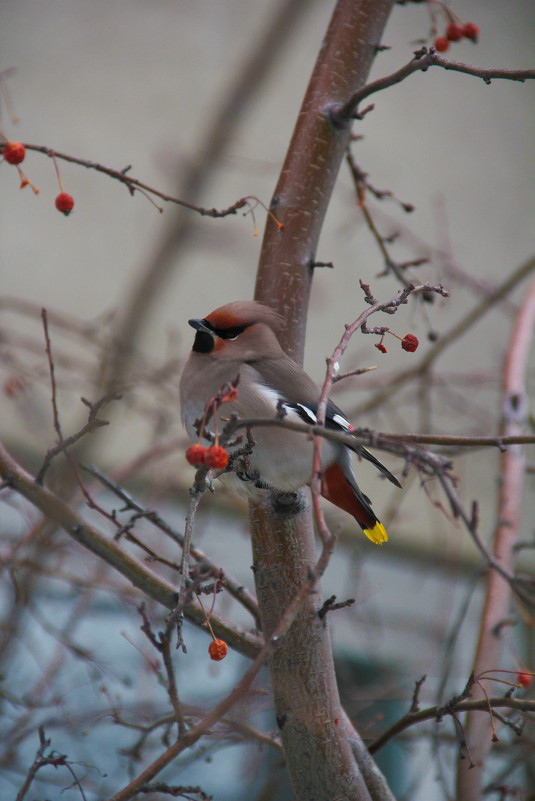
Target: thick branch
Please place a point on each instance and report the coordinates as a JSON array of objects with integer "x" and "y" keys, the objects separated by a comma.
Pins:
[
  {"x": 319, "y": 758},
  {"x": 498, "y": 595}
]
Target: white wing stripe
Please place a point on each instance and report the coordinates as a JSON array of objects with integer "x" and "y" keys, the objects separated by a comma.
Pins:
[
  {"x": 309, "y": 413},
  {"x": 341, "y": 421}
]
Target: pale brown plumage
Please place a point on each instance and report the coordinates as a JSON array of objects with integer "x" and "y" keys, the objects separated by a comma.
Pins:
[{"x": 241, "y": 339}]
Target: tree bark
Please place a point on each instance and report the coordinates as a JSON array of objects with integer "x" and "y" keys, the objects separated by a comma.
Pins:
[{"x": 315, "y": 740}]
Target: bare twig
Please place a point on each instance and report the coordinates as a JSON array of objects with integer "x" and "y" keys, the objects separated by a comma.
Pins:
[
  {"x": 92, "y": 424},
  {"x": 48, "y": 349},
  {"x": 423, "y": 59},
  {"x": 352, "y": 373},
  {"x": 241, "y": 689},
  {"x": 231, "y": 584},
  {"x": 200, "y": 485},
  {"x": 162, "y": 643},
  {"x": 329, "y": 605},
  {"x": 361, "y": 184},
  {"x": 448, "y": 338},
  {"x": 333, "y": 362},
  {"x": 452, "y": 441},
  {"x": 450, "y": 708},
  {"x": 42, "y": 760},
  {"x": 176, "y": 791},
  {"x": 135, "y": 185},
  {"x": 56, "y": 510},
  {"x": 332, "y": 368},
  {"x": 415, "y": 707}
]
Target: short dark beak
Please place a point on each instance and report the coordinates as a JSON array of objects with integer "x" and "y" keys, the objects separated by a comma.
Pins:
[{"x": 200, "y": 325}]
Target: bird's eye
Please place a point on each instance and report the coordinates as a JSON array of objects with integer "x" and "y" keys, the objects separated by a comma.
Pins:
[{"x": 230, "y": 333}]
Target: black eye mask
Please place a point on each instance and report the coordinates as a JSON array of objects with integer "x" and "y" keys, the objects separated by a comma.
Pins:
[
  {"x": 229, "y": 333},
  {"x": 206, "y": 333},
  {"x": 204, "y": 342}
]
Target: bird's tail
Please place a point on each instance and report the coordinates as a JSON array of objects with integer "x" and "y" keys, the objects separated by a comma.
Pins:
[{"x": 340, "y": 488}]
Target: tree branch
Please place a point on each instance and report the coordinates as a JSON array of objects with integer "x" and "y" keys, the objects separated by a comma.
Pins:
[
  {"x": 448, "y": 338},
  {"x": 438, "y": 712},
  {"x": 57, "y": 511},
  {"x": 511, "y": 489},
  {"x": 423, "y": 59},
  {"x": 278, "y": 635}
]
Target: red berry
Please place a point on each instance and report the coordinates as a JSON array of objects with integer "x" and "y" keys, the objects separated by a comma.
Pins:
[
  {"x": 454, "y": 32},
  {"x": 524, "y": 679},
  {"x": 14, "y": 152},
  {"x": 380, "y": 346},
  {"x": 64, "y": 203},
  {"x": 216, "y": 457},
  {"x": 441, "y": 44},
  {"x": 195, "y": 455},
  {"x": 471, "y": 31},
  {"x": 409, "y": 342},
  {"x": 217, "y": 650}
]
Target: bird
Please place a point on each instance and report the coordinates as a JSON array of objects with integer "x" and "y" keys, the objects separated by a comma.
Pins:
[{"x": 240, "y": 341}]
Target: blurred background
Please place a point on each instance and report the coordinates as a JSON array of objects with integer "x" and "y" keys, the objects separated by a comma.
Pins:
[{"x": 198, "y": 103}]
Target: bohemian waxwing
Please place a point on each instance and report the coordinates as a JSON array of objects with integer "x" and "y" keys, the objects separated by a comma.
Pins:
[{"x": 241, "y": 339}]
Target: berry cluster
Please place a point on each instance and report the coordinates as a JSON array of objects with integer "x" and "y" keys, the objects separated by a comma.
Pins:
[
  {"x": 14, "y": 153},
  {"x": 454, "y": 33},
  {"x": 214, "y": 457}
]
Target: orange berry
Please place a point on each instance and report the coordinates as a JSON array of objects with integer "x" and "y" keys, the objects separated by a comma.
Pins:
[
  {"x": 14, "y": 152},
  {"x": 64, "y": 203},
  {"x": 216, "y": 457},
  {"x": 441, "y": 44},
  {"x": 217, "y": 650},
  {"x": 524, "y": 679},
  {"x": 195, "y": 455},
  {"x": 409, "y": 342}
]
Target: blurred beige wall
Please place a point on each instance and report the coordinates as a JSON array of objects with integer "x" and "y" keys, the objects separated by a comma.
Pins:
[{"x": 139, "y": 83}]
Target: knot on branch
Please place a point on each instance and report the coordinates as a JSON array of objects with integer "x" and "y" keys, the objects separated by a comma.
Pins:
[{"x": 287, "y": 504}]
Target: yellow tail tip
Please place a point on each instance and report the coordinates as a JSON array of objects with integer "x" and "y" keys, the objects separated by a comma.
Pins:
[{"x": 377, "y": 534}]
